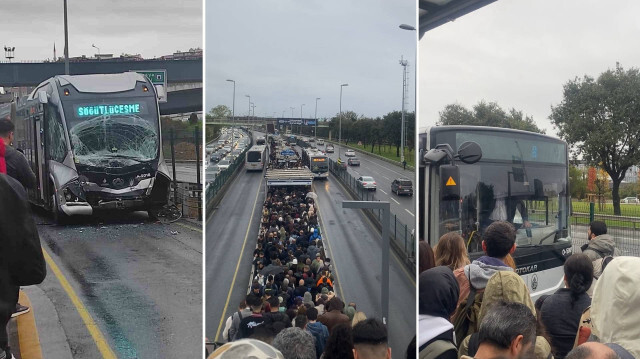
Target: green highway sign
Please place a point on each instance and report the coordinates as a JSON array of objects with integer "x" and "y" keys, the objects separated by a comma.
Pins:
[{"x": 157, "y": 77}]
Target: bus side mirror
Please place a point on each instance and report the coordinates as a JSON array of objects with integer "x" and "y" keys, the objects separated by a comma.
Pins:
[
  {"x": 42, "y": 97},
  {"x": 449, "y": 183},
  {"x": 469, "y": 152},
  {"x": 161, "y": 93}
]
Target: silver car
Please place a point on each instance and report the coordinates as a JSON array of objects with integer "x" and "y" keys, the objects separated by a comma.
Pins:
[{"x": 367, "y": 182}]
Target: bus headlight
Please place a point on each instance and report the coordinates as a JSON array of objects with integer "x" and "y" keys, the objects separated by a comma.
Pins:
[{"x": 72, "y": 192}]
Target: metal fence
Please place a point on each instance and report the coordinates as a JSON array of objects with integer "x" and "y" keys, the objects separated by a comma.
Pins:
[
  {"x": 401, "y": 234},
  {"x": 625, "y": 229},
  {"x": 182, "y": 147}
]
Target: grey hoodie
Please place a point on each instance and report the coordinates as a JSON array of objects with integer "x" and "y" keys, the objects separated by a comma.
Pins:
[{"x": 600, "y": 246}]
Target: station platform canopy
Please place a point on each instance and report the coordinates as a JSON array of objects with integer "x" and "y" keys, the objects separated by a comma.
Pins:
[
  {"x": 289, "y": 177},
  {"x": 433, "y": 13}
]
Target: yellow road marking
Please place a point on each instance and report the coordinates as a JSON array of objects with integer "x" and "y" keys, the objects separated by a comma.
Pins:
[
  {"x": 235, "y": 274},
  {"x": 28, "y": 338},
  {"x": 189, "y": 227},
  {"x": 401, "y": 265},
  {"x": 92, "y": 327}
]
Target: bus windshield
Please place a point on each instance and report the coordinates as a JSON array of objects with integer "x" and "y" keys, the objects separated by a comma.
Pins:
[
  {"x": 319, "y": 164},
  {"x": 254, "y": 156},
  {"x": 533, "y": 197},
  {"x": 113, "y": 133},
  {"x": 520, "y": 179}
]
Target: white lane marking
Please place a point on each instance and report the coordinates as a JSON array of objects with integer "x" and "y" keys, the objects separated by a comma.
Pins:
[
  {"x": 408, "y": 211},
  {"x": 387, "y": 178},
  {"x": 395, "y": 201},
  {"x": 383, "y": 192}
]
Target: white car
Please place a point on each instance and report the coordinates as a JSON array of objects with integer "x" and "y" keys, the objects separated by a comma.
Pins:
[
  {"x": 224, "y": 164},
  {"x": 350, "y": 153},
  {"x": 320, "y": 142},
  {"x": 630, "y": 200},
  {"x": 367, "y": 182}
]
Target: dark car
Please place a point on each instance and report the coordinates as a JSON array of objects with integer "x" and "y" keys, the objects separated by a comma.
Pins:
[
  {"x": 353, "y": 161},
  {"x": 402, "y": 186},
  {"x": 216, "y": 157}
]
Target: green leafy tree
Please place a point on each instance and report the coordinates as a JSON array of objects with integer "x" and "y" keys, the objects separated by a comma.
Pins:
[
  {"x": 220, "y": 111},
  {"x": 487, "y": 114},
  {"x": 600, "y": 119},
  {"x": 578, "y": 182}
]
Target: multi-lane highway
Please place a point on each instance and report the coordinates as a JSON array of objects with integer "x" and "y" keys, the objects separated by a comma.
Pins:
[
  {"x": 351, "y": 240},
  {"x": 384, "y": 173}
]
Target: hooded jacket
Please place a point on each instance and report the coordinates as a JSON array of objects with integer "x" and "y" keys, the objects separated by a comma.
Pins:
[
  {"x": 478, "y": 274},
  {"x": 438, "y": 297},
  {"x": 614, "y": 308},
  {"x": 509, "y": 287},
  {"x": 321, "y": 334},
  {"x": 600, "y": 246}
]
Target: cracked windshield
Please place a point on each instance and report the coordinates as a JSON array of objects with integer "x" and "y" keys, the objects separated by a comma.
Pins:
[{"x": 114, "y": 135}]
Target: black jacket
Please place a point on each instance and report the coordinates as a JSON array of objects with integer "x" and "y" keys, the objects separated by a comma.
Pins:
[
  {"x": 562, "y": 320},
  {"x": 18, "y": 168}
]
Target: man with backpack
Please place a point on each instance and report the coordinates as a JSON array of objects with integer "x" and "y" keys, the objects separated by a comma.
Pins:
[
  {"x": 600, "y": 249},
  {"x": 498, "y": 241},
  {"x": 233, "y": 322}
]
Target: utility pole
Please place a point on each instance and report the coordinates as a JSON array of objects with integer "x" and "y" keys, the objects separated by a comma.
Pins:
[{"x": 66, "y": 41}]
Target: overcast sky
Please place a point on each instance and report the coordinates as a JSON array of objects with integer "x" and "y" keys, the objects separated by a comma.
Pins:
[
  {"x": 151, "y": 28},
  {"x": 519, "y": 53},
  {"x": 286, "y": 53}
]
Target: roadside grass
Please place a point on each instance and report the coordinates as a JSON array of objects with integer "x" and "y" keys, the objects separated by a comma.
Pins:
[{"x": 389, "y": 152}]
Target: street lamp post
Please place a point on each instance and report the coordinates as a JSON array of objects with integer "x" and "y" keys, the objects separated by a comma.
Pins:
[
  {"x": 233, "y": 106},
  {"x": 9, "y": 52},
  {"x": 340, "y": 127},
  {"x": 93, "y": 45},
  {"x": 315, "y": 117},
  {"x": 300, "y": 125},
  {"x": 415, "y": 100},
  {"x": 404, "y": 64},
  {"x": 249, "y": 113},
  {"x": 66, "y": 41}
]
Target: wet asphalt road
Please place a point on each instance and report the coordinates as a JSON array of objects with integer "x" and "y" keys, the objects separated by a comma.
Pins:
[
  {"x": 140, "y": 281},
  {"x": 384, "y": 173},
  {"x": 228, "y": 230},
  {"x": 354, "y": 246}
]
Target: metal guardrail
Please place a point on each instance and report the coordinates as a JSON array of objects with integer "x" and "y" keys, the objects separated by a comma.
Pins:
[
  {"x": 401, "y": 234},
  {"x": 188, "y": 199},
  {"x": 625, "y": 231}
]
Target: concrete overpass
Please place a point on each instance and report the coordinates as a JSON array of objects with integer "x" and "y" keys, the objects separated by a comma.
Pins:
[{"x": 184, "y": 77}]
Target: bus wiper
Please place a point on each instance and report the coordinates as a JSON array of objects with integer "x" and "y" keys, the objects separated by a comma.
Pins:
[{"x": 547, "y": 236}]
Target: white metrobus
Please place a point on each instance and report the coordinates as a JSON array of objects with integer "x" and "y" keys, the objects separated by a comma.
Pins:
[{"x": 256, "y": 158}]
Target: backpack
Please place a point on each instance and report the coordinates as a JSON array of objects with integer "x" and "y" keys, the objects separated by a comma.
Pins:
[
  {"x": 465, "y": 320},
  {"x": 437, "y": 349}
]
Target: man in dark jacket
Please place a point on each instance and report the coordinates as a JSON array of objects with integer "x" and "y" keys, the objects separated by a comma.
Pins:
[
  {"x": 334, "y": 316},
  {"x": 318, "y": 330},
  {"x": 17, "y": 230},
  {"x": 18, "y": 168},
  {"x": 17, "y": 165}
]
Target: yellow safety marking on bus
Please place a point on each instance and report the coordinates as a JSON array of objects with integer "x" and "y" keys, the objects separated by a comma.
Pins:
[
  {"x": 401, "y": 265},
  {"x": 28, "y": 339},
  {"x": 235, "y": 274},
  {"x": 325, "y": 239},
  {"x": 91, "y": 325},
  {"x": 189, "y": 227}
]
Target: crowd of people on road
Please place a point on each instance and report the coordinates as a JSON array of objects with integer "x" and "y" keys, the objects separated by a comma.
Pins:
[
  {"x": 279, "y": 161},
  {"x": 292, "y": 310},
  {"x": 483, "y": 309},
  {"x": 21, "y": 258}
]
